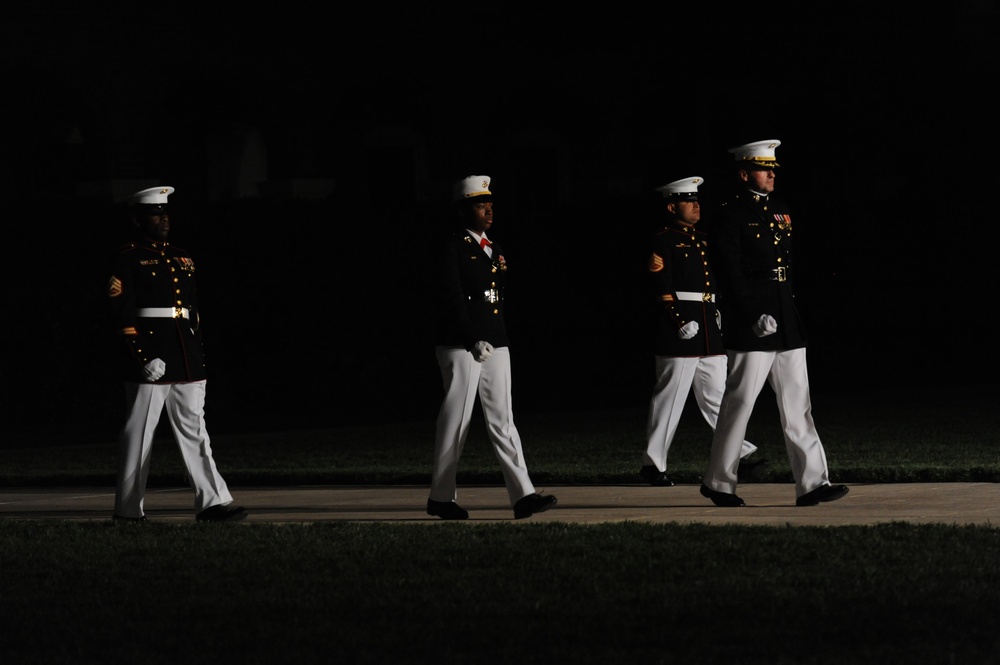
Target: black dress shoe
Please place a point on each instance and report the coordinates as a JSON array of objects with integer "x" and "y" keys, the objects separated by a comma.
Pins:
[
  {"x": 723, "y": 499},
  {"x": 655, "y": 477},
  {"x": 822, "y": 493},
  {"x": 221, "y": 513},
  {"x": 531, "y": 504},
  {"x": 446, "y": 510},
  {"x": 751, "y": 470}
]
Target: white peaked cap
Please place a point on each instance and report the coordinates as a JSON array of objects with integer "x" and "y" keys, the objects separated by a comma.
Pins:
[
  {"x": 151, "y": 196},
  {"x": 471, "y": 186},
  {"x": 683, "y": 188},
  {"x": 758, "y": 152}
]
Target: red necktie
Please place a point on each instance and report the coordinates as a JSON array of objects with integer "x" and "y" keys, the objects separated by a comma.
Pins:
[{"x": 484, "y": 243}]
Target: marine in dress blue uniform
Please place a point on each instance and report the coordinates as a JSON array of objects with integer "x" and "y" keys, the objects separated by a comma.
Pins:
[
  {"x": 472, "y": 351},
  {"x": 153, "y": 302},
  {"x": 763, "y": 332},
  {"x": 688, "y": 350}
]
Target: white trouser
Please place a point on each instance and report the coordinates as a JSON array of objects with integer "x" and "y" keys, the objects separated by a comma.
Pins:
[
  {"x": 675, "y": 379},
  {"x": 464, "y": 378},
  {"x": 185, "y": 407},
  {"x": 787, "y": 374}
]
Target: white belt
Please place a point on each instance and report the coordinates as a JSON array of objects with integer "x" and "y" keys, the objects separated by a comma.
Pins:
[
  {"x": 163, "y": 313},
  {"x": 489, "y": 295},
  {"x": 696, "y": 296}
]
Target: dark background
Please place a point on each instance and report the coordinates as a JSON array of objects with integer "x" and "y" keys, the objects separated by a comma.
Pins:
[{"x": 313, "y": 149}]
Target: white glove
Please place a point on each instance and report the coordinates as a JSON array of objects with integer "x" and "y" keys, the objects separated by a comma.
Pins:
[
  {"x": 688, "y": 330},
  {"x": 481, "y": 351},
  {"x": 154, "y": 369},
  {"x": 766, "y": 325},
  {"x": 718, "y": 319}
]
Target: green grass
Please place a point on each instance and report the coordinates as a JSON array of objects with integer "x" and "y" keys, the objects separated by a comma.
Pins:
[
  {"x": 948, "y": 435},
  {"x": 442, "y": 593},
  {"x": 534, "y": 593}
]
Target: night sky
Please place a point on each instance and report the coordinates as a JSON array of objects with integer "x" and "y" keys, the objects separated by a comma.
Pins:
[{"x": 315, "y": 311}]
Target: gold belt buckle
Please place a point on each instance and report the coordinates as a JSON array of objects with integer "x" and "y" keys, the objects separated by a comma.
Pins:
[
  {"x": 491, "y": 295},
  {"x": 706, "y": 297},
  {"x": 178, "y": 313},
  {"x": 781, "y": 274}
]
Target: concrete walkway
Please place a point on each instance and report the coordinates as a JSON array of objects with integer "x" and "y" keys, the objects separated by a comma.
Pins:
[{"x": 767, "y": 504}]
